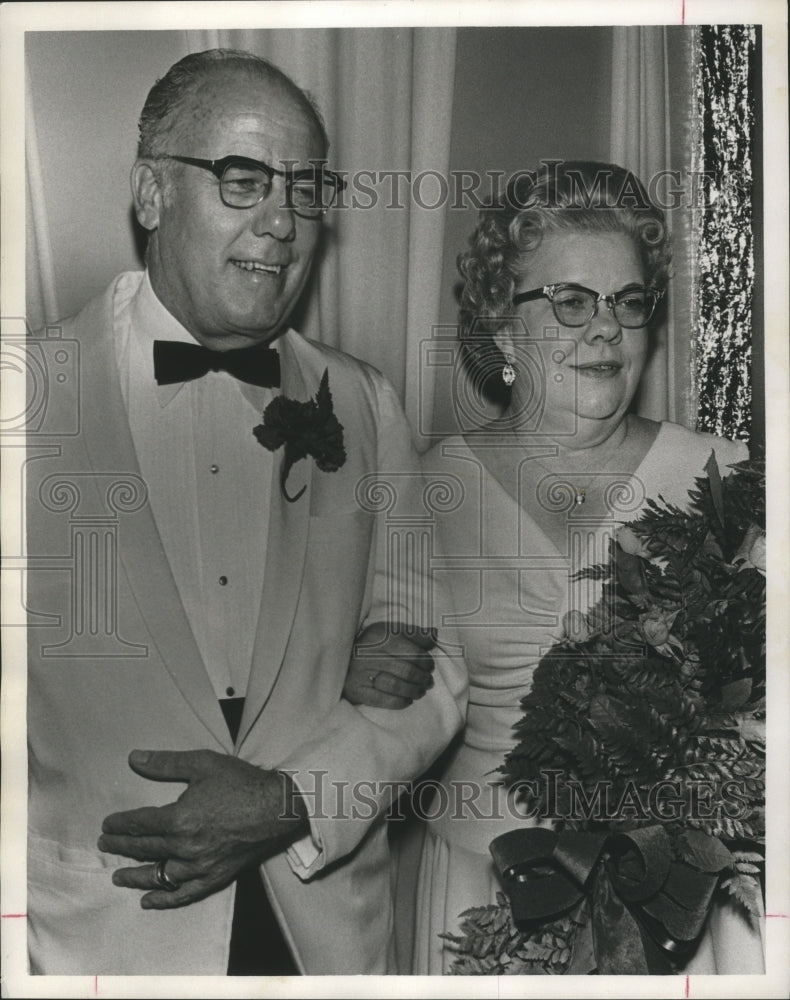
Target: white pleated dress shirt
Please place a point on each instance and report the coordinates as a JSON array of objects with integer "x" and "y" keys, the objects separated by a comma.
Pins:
[{"x": 209, "y": 482}]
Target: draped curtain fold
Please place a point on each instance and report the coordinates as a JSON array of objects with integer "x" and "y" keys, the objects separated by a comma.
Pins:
[
  {"x": 42, "y": 299},
  {"x": 651, "y": 126},
  {"x": 386, "y": 96}
]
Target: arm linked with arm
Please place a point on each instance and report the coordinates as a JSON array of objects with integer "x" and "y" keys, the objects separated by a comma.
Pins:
[{"x": 372, "y": 753}]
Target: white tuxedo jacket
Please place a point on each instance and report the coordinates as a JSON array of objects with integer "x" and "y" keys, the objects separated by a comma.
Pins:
[{"x": 113, "y": 665}]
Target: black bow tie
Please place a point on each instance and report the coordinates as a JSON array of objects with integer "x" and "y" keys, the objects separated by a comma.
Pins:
[{"x": 177, "y": 362}]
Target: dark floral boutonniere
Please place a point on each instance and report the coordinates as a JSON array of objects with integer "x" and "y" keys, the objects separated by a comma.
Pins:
[{"x": 309, "y": 428}]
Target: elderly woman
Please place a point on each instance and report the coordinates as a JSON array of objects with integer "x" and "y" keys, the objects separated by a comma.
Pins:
[{"x": 563, "y": 280}]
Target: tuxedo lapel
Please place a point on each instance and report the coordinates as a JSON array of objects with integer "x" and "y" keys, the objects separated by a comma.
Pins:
[
  {"x": 110, "y": 447},
  {"x": 285, "y": 556}
]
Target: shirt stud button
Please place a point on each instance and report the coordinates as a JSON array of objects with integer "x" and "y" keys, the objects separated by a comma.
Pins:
[
  {"x": 230, "y": 692},
  {"x": 214, "y": 469},
  {"x": 223, "y": 580}
]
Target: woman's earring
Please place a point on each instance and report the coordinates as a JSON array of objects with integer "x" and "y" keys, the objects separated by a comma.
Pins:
[{"x": 509, "y": 370}]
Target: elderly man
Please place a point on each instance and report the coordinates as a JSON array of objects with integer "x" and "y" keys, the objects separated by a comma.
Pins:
[{"x": 229, "y": 608}]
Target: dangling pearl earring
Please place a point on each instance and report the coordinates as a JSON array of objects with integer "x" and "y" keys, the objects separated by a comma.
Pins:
[{"x": 509, "y": 370}]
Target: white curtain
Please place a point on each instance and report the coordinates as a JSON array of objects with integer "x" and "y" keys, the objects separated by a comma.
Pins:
[
  {"x": 42, "y": 299},
  {"x": 386, "y": 96},
  {"x": 650, "y": 134}
]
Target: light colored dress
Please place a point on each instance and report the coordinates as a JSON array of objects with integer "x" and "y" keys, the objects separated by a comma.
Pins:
[{"x": 508, "y": 587}]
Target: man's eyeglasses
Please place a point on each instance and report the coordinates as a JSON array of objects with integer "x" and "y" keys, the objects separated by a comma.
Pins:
[
  {"x": 244, "y": 182},
  {"x": 575, "y": 305}
]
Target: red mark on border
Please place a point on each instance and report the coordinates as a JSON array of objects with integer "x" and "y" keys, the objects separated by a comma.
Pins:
[
  {"x": 687, "y": 986},
  {"x": 95, "y": 986},
  {"x": 782, "y": 916},
  {"x": 683, "y": 21},
  {"x": 7, "y": 916}
]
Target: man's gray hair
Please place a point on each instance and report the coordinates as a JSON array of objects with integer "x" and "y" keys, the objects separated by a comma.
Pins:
[{"x": 168, "y": 96}]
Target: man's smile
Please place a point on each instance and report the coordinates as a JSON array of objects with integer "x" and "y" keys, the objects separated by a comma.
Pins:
[{"x": 255, "y": 265}]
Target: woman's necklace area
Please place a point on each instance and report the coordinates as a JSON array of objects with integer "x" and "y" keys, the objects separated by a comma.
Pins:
[{"x": 578, "y": 471}]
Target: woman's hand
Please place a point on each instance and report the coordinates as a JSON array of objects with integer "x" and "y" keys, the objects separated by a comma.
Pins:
[{"x": 390, "y": 665}]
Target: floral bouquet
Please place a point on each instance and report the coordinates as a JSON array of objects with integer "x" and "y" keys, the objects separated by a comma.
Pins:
[{"x": 643, "y": 740}]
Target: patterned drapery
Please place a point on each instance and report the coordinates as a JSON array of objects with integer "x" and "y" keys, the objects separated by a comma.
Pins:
[
  {"x": 723, "y": 240},
  {"x": 683, "y": 100}
]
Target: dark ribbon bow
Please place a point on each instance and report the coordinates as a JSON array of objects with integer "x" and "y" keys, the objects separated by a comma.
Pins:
[
  {"x": 178, "y": 362},
  {"x": 645, "y": 904}
]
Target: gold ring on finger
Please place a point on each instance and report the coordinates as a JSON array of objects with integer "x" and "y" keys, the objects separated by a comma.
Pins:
[{"x": 162, "y": 880}]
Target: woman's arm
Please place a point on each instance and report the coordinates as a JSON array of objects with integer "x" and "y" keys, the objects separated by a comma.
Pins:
[{"x": 390, "y": 665}]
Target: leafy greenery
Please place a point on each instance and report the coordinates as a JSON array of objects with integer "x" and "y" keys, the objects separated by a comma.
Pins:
[
  {"x": 490, "y": 945},
  {"x": 661, "y": 685}
]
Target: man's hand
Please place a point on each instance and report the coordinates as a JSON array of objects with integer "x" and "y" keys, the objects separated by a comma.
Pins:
[
  {"x": 230, "y": 816},
  {"x": 390, "y": 666}
]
